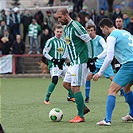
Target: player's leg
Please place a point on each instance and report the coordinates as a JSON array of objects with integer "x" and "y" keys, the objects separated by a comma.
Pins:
[
  {"x": 54, "y": 74},
  {"x": 87, "y": 87},
  {"x": 129, "y": 100},
  {"x": 65, "y": 71},
  {"x": 78, "y": 76},
  {"x": 109, "y": 73},
  {"x": 122, "y": 78}
]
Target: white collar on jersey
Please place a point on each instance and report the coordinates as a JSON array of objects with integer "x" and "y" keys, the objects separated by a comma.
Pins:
[{"x": 69, "y": 22}]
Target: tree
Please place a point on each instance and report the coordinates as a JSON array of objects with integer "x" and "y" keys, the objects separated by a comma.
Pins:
[
  {"x": 110, "y": 7},
  {"x": 15, "y": 3}
]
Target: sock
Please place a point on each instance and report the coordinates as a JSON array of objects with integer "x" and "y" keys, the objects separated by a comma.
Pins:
[
  {"x": 50, "y": 90},
  {"x": 80, "y": 103},
  {"x": 110, "y": 104},
  {"x": 122, "y": 92},
  {"x": 87, "y": 89},
  {"x": 70, "y": 93},
  {"x": 129, "y": 100}
]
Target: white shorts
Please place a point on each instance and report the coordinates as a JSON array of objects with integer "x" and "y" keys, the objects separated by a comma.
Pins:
[
  {"x": 55, "y": 71},
  {"x": 76, "y": 74}
]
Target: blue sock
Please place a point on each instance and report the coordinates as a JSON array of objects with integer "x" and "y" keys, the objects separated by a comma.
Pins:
[
  {"x": 110, "y": 104},
  {"x": 87, "y": 89},
  {"x": 129, "y": 100},
  {"x": 122, "y": 92}
]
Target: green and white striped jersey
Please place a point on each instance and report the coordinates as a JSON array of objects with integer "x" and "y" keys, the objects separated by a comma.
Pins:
[
  {"x": 76, "y": 38},
  {"x": 54, "y": 48}
]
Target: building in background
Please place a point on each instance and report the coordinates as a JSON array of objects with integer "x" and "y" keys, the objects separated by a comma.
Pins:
[
  {"x": 125, "y": 4},
  {"x": 2, "y": 4}
]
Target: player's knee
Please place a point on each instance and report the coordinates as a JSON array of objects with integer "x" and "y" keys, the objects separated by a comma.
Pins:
[
  {"x": 55, "y": 79},
  {"x": 113, "y": 91},
  {"x": 66, "y": 85},
  {"x": 89, "y": 76}
]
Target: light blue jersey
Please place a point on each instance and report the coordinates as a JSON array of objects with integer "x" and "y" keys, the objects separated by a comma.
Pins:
[
  {"x": 123, "y": 50},
  {"x": 98, "y": 49}
]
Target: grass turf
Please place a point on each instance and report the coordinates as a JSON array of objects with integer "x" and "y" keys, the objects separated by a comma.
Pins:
[{"x": 23, "y": 111}]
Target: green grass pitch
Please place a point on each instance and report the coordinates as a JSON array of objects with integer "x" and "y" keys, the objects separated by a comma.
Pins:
[{"x": 23, "y": 111}]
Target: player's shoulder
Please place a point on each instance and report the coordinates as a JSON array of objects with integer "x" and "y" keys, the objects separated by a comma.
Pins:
[
  {"x": 98, "y": 37},
  {"x": 62, "y": 39},
  {"x": 50, "y": 40}
]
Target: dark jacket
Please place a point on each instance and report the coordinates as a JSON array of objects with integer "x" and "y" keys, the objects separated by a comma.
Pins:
[
  {"x": 130, "y": 27},
  {"x": 26, "y": 20},
  {"x": 18, "y": 48},
  {"x": 6, "y": 48}
]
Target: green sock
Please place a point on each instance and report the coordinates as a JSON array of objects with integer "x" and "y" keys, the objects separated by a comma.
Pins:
[
  {"x": 50, "y": 90},
  {"x": 80, "y": 103},
  {"x": 70, "y": 93}
]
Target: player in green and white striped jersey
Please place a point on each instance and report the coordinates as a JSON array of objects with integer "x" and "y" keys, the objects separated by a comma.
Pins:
[
  {"x": 76, "y": 38},
  {"x": 55, "y": 51}
]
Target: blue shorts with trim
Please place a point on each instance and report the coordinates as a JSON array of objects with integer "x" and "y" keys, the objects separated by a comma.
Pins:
[
  {"x": 107, "y": 73},
  {"x": 124, "y": 75}
]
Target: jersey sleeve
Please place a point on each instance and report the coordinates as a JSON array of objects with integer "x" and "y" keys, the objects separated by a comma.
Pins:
[
  {"x": 110, "y": 54},
  {"x": 46, "y": 50},
  {"x": 81, "y": 33},
  {"x": 104, "y": 45},
  {"x": 90, "y": 49}
]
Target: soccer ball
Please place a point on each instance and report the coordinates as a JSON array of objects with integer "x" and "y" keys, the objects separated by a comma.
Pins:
[{"x": 56, "y": 114}]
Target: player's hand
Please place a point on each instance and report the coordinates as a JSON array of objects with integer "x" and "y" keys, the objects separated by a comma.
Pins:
[
  {"x": 60, "y": 64},
  {"x": 95, "y": 59},
  {"x": 91, "y": 65},
  {"x": 55, "y": 61},
  {"x": 96, "y": 77}
]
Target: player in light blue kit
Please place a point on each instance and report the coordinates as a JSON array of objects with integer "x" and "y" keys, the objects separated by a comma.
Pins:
[
  {"x": 120, "y": 44},
  {"x": 100, "y": 49}
]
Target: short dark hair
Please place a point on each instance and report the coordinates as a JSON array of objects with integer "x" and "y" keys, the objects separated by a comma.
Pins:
[
  {"x": 106, "y": 22},
  {"x": 58, "y": 26},
  {"x": 91, "y": 26}
]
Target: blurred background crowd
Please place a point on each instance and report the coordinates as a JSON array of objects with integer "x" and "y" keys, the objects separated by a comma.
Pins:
[{"x": 23, "y": 29}]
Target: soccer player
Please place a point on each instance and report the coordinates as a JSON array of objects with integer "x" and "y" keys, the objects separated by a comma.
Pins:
[
  {"x": 100, "y": 49},
  {"x": 55, "y": 52},
  {"x": 120, "y": 44},
  {"x": 119, "y": 25},
  {"x": 76, "y": 38}
]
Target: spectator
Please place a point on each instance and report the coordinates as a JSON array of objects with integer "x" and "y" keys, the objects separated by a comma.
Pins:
[
  {"x": 77, "y": 19},
  {"x": 17, "y": 20},
  {"x": 126, "y": 20},
  {"x": 130, "y": 25},
  {"x": 5, "y": 46},
  {"x": 2, "y": 15},
  {"x": 119, "y": 24},
  {"x": 9, "y": 36},
  {"x": 78, "y": 5},
  {"x": 13, "y": 21},
  {"x": 99, "y": 18},
  {"x": 93, "y": 15},
  {"x": 45, "y": 35},
  {"x": 33, "y": 31},
  {"x": 88, "y": 21},
  {"x": 3, "y": 27},
  {"x": 82, "y": 14},
  {"x": 117, "y": 13},
  {"x": 38, "y": 16},
  {"x": 10, "y": 20},
  {"x": 49, "y": 19},
  {"x": 26, "y": 21},
  {"x": 19, "y": 48},
  {"x": 72, "y": 14}
]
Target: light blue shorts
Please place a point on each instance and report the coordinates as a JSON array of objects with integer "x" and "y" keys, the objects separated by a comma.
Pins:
[
  {"x": 124, "y": 75},
  {"x": 107, "y": 73}
]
